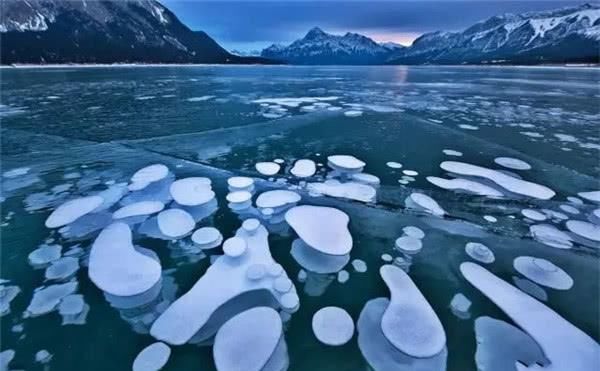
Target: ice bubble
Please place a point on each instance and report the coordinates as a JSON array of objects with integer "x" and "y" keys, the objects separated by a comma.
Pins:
[
  {"x": 480, "y": 252},
  {"x": 500, "y": 346},
  {"x": 256, "y": 272},
  {"x": 547, "y": 328},
  {"x": 239, "y": 197},
  {"x": 6, "y": 356},
  {"x": 393, "y": 165},
  {"x": 343, "y": 276},
  {"x": 468, "y": 127},
  {"x": 43, "y": 356},
  {"x": 460, "y": 305},
  {"x": 490, "y": 218},
  {"x": 345, "y": 163},
  {"x": 350, "y": 190},
  {"x": 117, "y": 268},
  {"x": 359, "y": 265},
  {"x": 551, "y": 236},
  {"x": 207, "y": 237},
  {"x": 192, "y": 191},
  {"x": 410, "y": 172},
  {"x": 465, "y": 185},
  {"x": 325, "y": 229},
  {"x": 71, "y": 305},
  {"x": 409, "y": 322},
  {"x": 316, "y": 261},
  {"x": 409, "y": 244},
  {"x": 111, "y": 196},
  {"x": 240, "y": 183},
  {"x": 234, "y": 247},
  {"x": 380, "y": 353},
  {"x": 282, "y": 285},
  {"x": 304, "y": 168},
  {"x": 543, "y": 272},
  {"x": 365, "y": 178},
  {"x": 333, "y": 326},
  {"x": 152, "y": 358},
  {"x": 512, "y": 163},
  {"x": 267, "y": 168},
  {"x": 279, "y": 161},
  {"x": 593, "y": 196},
  {"x": 512, "y": 184},
  {"x": 594, "y": 216},
  {"x": 420, "y": 201},
  {"x": 139, "y": 209},
  {"x": 16, "y": 172},
  {"x": 214, "y": 296},
  {"x": 451, "y": 152},
  {"x": 302, "y": 275},
  {"x": 72, "y": 210},
  {"x": 251, "y": 225},
  {"x": 249, "y": 341},
  {"x": 413, "y": 231},
  {"x": 584, "y": 229},
  {"x": 555, "y": 214},
  {"x": 47, "y": 299},
  {"x": 62, "y": 269},
  {"x": 353, "y": 113},
  {"x": 386, "y": 258},
  {"x": 7, "y": 294},
  {"x": 44, "y": 254},
  {"x": 149, "y": 174},
  {"x": 277, "y": 199},
  {"x": 533, "y": 215},
  {"x": 569, "y": 209},
  {"x": 175, "y": 223}
]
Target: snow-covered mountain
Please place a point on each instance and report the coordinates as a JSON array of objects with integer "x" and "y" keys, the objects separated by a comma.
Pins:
[
  {"x": 557, "y": 36},
  {"x": 392, "y": 45},
  {"x": 319, "y": 47},
  {"x": 101, "y": 31}
]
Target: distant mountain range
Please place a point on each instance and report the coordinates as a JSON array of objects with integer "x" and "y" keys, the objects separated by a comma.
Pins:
[
  {"x": 569, "y": 35},
  {"x": 145, "y": 31},
  {"x": 319, "y": 47},
  {"x": 80, "y": 31}
]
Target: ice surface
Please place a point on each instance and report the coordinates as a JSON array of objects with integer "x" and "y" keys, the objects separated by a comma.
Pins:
[
  {"x": 543, "y": 272},
  {"x": 514, "y": 185},
  {"x": 152, "y": 358},
  {"x": 325, "y": 229},
  {"x": 175, "y": 223},
  {"x": 72, "y": 210},
  {"x": 225, "y": 280},
  {"x": 138, "y": 209},
  {"x": 409, "y": 322},
  {"x": 546, "y": 327},
  {"x": 465, "y": 185},
  {"x": 304, "y": 168},
  {"x": 248, "y": 341},
  {"x": 117, "y": 268},
  {"x": 480, "y": 252},
  {"x": 267, "y": 168},
  {"x": 422, "y": 202},
  {"x": 332, "y": 326},
  {"x": 512, "y": 163},
  {"x": 192, "y": 191},
  {"x": 584, "y": 229},
  {"x": 350, "y": 190},
  {"x": 47, "y": 299}
]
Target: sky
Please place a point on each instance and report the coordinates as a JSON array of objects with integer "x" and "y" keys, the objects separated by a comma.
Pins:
[{"x": 255, "y": 24}]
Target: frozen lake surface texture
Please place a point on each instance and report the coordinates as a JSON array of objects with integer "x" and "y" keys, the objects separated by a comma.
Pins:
[{"x": 300, "y": 218}]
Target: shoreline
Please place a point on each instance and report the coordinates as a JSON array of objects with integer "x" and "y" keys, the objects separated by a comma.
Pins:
[{"x": 137, "y": 65}]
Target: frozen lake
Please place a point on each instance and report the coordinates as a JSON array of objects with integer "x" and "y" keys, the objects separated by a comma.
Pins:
[{"x": 508, "y": 156}]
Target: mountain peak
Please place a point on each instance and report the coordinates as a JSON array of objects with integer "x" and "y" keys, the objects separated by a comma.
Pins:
[{"x": 314, "y": 33}]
